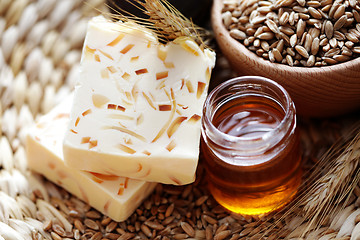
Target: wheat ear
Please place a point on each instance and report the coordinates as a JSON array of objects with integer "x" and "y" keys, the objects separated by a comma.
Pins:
[
  {"x": 334, "y": 186},
  {"x": 164, "y": 20},
  {"x": 330, "y": 183}
]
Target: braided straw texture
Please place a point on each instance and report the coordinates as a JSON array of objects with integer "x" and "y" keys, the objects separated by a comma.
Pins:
[{"x": 40, "y": 48}]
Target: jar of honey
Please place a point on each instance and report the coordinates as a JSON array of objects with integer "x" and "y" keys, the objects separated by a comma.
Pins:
[{"x": 250, "y": 144}]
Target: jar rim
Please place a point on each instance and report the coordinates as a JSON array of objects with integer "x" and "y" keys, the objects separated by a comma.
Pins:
[{"x": 288, "y": 107}]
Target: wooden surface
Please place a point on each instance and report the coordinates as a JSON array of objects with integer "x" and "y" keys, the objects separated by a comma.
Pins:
[{"x": 317, "y": 92}]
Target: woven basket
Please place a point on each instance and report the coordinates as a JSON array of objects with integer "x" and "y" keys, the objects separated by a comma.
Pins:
[{"x": 40, "y": 48}]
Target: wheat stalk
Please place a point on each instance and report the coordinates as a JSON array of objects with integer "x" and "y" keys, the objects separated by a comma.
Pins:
[
  {"x": 330, "y": 183},
  {"x": 335, "y": 186},
  {"x": 165, "y": 21}
]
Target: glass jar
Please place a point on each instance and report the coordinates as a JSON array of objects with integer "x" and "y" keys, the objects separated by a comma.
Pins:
[{"x": 251, "y": 145}]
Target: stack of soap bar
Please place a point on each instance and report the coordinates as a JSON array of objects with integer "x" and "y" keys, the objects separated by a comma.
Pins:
[
  {"x": 114, "y": 196},
  {"x": 138, "y": 104}
]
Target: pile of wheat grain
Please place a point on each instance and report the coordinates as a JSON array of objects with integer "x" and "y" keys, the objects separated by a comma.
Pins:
[{"x": 296, "y": 32}]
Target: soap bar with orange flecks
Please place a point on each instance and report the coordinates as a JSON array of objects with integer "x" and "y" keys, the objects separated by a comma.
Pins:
[
  {"x": 112, "y": 195},
  {"x": 138, "y": 104}
]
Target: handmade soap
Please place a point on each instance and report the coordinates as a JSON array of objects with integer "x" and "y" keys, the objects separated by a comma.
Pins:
[
  {"x": 114, "y": 196},
  {"x": 138, "y": 104}
]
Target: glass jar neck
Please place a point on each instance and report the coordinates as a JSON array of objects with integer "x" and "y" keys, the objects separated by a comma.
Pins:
[{"x": 248, "y": 147}]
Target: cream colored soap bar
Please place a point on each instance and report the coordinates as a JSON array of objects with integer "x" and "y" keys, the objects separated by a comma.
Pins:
[
  {"x": 114, "y": 196},
  {"x": 138, "y": 104}
]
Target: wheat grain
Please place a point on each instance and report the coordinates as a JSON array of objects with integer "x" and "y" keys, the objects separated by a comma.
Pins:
[
  {"x": 237, "y": 34},
  {"x": 48, "y": 208},
  {"x": 333, "y": 43},
  {"x": 227, "y": 18}
]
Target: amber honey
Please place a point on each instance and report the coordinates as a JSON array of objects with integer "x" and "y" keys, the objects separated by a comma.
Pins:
[{"x": 251, "y": 146}]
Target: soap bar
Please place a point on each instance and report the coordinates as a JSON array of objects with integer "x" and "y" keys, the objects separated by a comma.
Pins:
[
  {"x": 138, "y": 104},
  {"x": 114, "y": 196}
]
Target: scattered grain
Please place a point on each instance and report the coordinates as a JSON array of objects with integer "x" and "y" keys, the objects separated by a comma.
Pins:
[
  {"x": 188, "y": 229},
  {"x": 209, "y": 219},
  {"x": 154, "y": 225},
  {"x": 91, "y": 224},
  {"x": 146, "y": 230},
  {"x": 47, "y": 225},
  {"x": 222, "y": 235},
  {"x": 58, "y": 230},
  {"x": 96, "y": 236}
]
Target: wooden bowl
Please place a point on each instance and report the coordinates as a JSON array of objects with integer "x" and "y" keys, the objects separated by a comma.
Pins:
[{"x": 316, "y": 91}]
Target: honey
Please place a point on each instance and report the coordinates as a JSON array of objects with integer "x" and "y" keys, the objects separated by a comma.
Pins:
[{"x": 251, "y": 146}]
